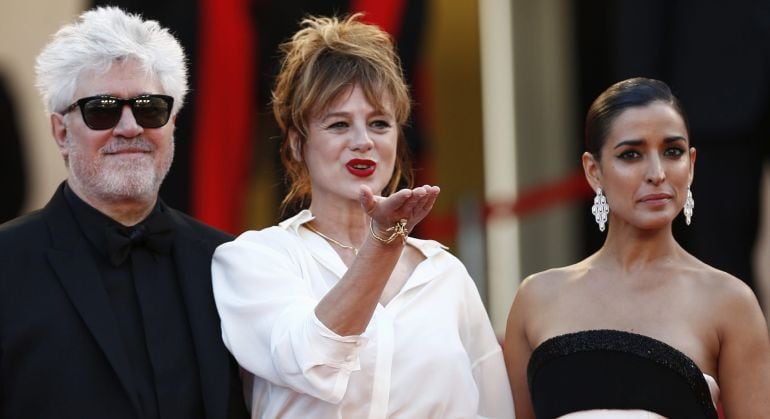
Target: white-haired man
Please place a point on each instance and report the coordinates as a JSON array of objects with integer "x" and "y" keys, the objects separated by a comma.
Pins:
[{"x": 106, "y": 307}]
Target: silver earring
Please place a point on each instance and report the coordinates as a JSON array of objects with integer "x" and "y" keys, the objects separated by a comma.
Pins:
[
  {"x": 689, "y": 205},
  {"x": 600, "y": 209}
]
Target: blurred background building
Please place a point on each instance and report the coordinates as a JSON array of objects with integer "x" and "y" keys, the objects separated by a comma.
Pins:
[{"x": 500, "y": 89}]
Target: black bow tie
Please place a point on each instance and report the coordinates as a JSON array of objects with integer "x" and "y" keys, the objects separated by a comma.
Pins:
[{"x": 156, "y": 234}]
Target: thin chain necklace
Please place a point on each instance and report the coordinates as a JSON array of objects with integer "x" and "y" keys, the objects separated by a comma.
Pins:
[{"x": 331, "y": 240}]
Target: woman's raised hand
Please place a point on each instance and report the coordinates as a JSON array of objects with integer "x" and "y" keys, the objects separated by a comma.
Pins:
[{"x": 411, "y": 205}]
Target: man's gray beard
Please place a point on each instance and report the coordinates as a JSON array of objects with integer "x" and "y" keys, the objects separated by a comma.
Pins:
[{"x": 120, "y": 180}]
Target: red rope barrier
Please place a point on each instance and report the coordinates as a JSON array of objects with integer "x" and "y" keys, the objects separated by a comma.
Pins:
[{"x": 568, "y": 189}]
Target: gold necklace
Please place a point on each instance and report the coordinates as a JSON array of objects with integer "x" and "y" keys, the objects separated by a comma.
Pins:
[{"x": 331, "y": 240}]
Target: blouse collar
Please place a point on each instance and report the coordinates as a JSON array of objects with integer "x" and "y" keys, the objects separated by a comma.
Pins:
[{"x": 427, "y": 247}]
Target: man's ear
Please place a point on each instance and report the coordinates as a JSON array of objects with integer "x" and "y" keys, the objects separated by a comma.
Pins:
[
  {"x": 59, "y": 131},
  {"x": 295, "y": 144},
  {"x": 592, "y": 170}
]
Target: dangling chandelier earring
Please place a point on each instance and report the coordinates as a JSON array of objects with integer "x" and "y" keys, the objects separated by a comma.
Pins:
[
  {"x": 600, "y": 209},
  {"x": 689, "y": 205}
]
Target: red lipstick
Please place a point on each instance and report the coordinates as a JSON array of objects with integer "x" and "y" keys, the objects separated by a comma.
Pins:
[{"x": 361, "y": 167}]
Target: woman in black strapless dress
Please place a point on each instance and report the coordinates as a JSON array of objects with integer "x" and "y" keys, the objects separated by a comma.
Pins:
[{"x": 641, "y": 328}]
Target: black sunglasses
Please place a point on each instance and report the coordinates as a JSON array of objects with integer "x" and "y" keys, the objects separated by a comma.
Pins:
[{"x": 103, "y": 112}]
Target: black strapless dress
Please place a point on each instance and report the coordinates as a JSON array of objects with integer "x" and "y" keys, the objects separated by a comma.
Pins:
[{"x": 611, "y": 369}]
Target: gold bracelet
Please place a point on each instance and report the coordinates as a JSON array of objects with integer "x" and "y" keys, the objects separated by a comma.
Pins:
[{"x": 398, "y": 230}]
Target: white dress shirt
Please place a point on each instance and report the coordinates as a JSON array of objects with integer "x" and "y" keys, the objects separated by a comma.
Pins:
[{"x": 429, "y": 353}]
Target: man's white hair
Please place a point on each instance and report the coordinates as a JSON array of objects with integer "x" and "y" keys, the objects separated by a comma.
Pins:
[{"x": 99, "y": 38}]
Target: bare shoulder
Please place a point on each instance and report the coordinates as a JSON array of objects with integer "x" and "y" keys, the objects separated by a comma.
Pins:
[
  {"x": 539, "y": 293},
  {"x": 743, "y": 353},
  {"x": 542, "y": 286},
  {"x": 721, "y": 292},
  {"x": 724, "y": 289}
]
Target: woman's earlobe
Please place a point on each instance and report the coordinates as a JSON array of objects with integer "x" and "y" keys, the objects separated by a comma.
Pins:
[
  {"x": 295, "y": 144},
  {"x": 693, "y": 154},
  {"x": 591, "y": 170}
]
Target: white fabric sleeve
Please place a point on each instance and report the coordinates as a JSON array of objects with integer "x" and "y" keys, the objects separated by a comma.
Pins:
[
  {"x": 486, "y": 355},
  {"x": 267, "y": 308},
  {"x": 495, "y": 399}
]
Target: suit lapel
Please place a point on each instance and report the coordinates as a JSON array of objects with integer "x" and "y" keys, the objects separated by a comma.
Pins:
[
  {"x": 193, "y": 263},
  {"x": 82, "y": 282}
]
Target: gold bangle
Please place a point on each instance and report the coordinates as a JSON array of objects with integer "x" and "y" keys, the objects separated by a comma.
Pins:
[{"x": 398, "y": 230}]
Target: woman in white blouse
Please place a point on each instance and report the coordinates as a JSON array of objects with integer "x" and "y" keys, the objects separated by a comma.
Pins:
[{"x": 336, "y": 312}]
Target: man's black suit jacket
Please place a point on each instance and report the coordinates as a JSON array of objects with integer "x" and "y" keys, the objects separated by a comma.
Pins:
[{"x": 61, "y": 355}]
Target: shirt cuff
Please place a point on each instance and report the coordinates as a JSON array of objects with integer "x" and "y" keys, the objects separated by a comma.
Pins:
[{"x": 334, "y": 350}]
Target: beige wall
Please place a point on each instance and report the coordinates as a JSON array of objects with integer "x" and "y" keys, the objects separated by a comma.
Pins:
[
  {"x": 452, "y": 45},
  {"x": 548, "y": 138},
  {"x": 25, "y": 27}
]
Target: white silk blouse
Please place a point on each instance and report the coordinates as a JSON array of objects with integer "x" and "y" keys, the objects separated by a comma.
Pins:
[{"x": 429, "y": 353}]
